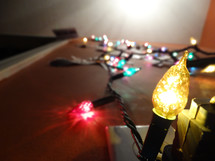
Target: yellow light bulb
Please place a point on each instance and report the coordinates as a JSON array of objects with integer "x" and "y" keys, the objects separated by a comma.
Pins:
[
  {"x": 171, "y": 93},
  {"x": 209, "y": 69},
  {"x": 212, "y": 100},
  {"x": 149, "y": 50},
  {"x": 85, "y": 40},
  {"x": 107, "y": 57},
  {"x": 193, "y": 41},
  {"x": 110, "y": 44}
]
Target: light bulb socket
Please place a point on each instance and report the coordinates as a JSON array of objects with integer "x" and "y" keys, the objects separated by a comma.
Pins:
[
  {"x": 120, "y": 54},
  {"x": 117, "y": 76},
  {"x": 129, "y": 57},
  {"x": 155, "y": 136},
  {"x": 201, "y": 63},
  {"x": 83, "y": 46},
  {"x": 115, "y": 67},
  {"x": 173, "y": 57},
  {"x": 103, "y": 101}
]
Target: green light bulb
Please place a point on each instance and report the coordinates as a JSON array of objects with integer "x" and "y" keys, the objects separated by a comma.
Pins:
[
  {"x": 175, "y": 54},
  {"x": 118, "y": 43},
  {"x": 190, "y": 56},
  {"x": 130, "y": 71},
  {"x": 121, "y": 63},
  {"x": 149, "y": 46},
  {"x": 100, "y": 38}
]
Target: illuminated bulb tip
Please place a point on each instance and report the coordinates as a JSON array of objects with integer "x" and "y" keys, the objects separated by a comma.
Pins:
[
  {"x": 209, "y": 69},
  {"x": 212, "y": 100},
  {"x": 109, "y": 49},
  {"x": 149, "y": 57},
  {"x": 193, "y": 41},
  {"x": 131, "y": 71},
  {"x": 105, "y": 41},
  {"x": 112, "y": 58},
  {"x": 190, "y": 56},
  {"x": 146, "y": 44},
  {"x": 87, "y": 115},
  {"x": 118, "y": 43},
  {"x": 100, "y": 38},
  {"x": 121, "y": 63},
  {"x": 171, "y": 93},
  {"x": 183, "y": 60},
  {"x": 175, "y": 54},
  {"x": 133, "y": 44},
  {"x": 93, "y": 37},
  {"x": 85, "y": 40},
  {"x": 110, "y": 44},
  {"x": 149, "y": 50},
  {"x": 128, "y": 43},
  {"x": 137, "y": 69},
  {"x": 163, "y": 49},
  {"x": 83, "y": 107},
  {"x": 107, "y": 57}
]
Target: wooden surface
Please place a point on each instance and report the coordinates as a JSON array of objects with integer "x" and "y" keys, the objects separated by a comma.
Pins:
[{"x": 35, "y": 126}]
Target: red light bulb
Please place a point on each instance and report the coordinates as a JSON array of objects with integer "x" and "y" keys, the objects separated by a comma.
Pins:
[
  {"x": 84, "y": 109},
  {"x": 115, "y": 61},
  {"x": 87, "y": 115}
]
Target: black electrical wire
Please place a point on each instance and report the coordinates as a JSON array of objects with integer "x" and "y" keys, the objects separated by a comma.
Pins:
[
  {"x": 195, "y": 47},
  {"x": 128, "y": 122}
]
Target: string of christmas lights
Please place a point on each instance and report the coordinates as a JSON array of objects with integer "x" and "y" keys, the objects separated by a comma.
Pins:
[
  {"x": 85, "y": 108},
  {"x": 146, "y": 48}
]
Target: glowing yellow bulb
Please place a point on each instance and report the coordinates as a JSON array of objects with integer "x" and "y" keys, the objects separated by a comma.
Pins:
[
  {"x": 107, "y": 57},
  {"x": 209, "y": 69},
  {"x": 149, "y": 50},
  {"x": 85, "y": 40},
  {"x": 193, "y": 41},
  {"x": 132, "y": 43},
  {"x": 110, "y": 44},
  {"x": 212, "y": 100},
  {"x": 171, "y": 93}
]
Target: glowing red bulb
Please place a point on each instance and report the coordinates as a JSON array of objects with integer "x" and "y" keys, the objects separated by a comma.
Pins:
[
  {"x": 146, "y": 44},
  {"x": 93, "y": 37},
  {"x": 84, "y": 109},
  {"x": 87, "y": 115},
  {"x": 85, "y": 106},
  {"x": 115, "y": 61}
]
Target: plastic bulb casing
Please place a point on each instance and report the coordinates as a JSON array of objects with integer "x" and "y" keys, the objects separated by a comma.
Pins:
[
  {"x": 193, "y": 41},
  {"x": 84, "y": 107},
  {"x": 171, "y": 93},
  {"x": 130, "y": 71},
  {"x": 121, "y": 63},
  {"x": 209, "y": 69},
  {"x": 85, "y": 40}
]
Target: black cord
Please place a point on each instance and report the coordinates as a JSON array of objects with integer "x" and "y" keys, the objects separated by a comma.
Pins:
[
  {"x": 129, "y": 123},
  {"x": 195, "y": 47}
]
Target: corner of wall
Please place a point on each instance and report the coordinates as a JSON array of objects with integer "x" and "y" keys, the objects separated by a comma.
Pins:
[{"x": 208, "y": 33}]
